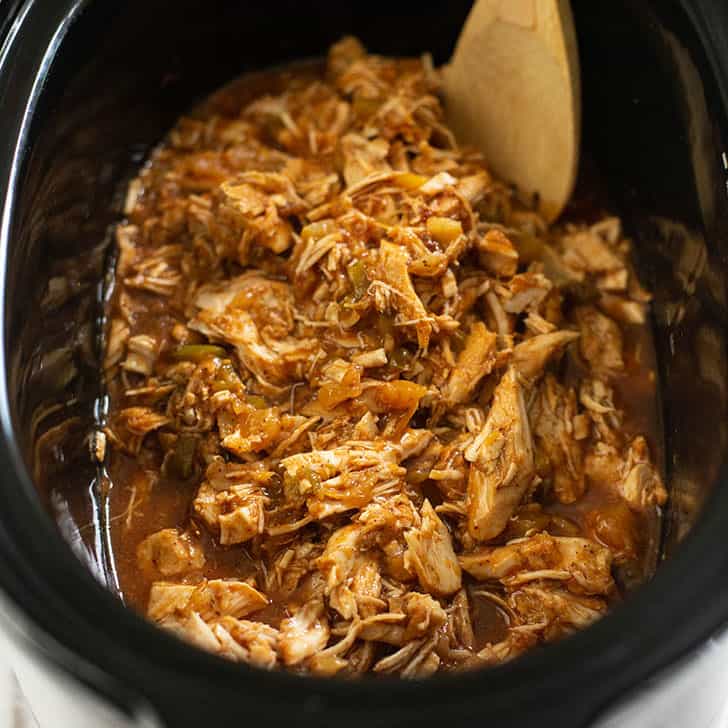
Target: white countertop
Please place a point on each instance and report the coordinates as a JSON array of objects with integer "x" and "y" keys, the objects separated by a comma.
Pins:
[{"x": 14, "y": 709}]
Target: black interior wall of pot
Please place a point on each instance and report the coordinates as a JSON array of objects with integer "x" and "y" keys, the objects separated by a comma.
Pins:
[{"x": 653, "y": 123}]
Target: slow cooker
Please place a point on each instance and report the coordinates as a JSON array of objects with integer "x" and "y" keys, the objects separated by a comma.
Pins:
[{"x": 87, "y": 88}]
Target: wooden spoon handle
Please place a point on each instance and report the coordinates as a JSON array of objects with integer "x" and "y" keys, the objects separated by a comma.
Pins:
[{"x": 512, "y": 90}]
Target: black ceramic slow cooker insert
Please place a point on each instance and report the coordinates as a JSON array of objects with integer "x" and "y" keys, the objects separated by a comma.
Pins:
[{"x": 88, "y": 87}]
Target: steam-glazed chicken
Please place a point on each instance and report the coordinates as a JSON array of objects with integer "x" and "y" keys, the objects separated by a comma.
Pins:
[{"x": 369, "y": 412}]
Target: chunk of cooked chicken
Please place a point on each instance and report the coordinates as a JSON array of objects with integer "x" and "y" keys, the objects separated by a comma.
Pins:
[
  {"x": 425, "y": 615},
  {"x": 211, "y": 599},
  {"x": 334, "y": 481},
  {"x": 269, "y": 302},
  {"x": 248, "y": 429},
  {"x": 242, "y": 523},
  {"x": 531, "y": 356},
  {"x": 303, "y": 634},
  {"x": 502, "y": 461},
  {"x": 363, "y": 157},
  {"x": 597, "y": 397},
  {"x": 622, "y": 309},
  {"x": 340, "y": 381},
  {"x": 397, "y": 400},
  {"x": 236, "y": 639},
  {"x": 431, "y": 554},
  {"x": 414, "y": 442},
  {"x": 632, "y": 475},
  {"x": 398, "y": 292},
  {"x": 416, "y": 659},
  {"x": 261, "y": 201},
  {"x": 341, "y": 555},
  {"x": 601, "y": 341},
  {"x": 193, "y": 629},
  {"x": 474, "y": 362},
  {"x": 131, "y": 425},
  {"x": 585, "y": 250},
  {"x": 603, "y": 465},
  {"x": 242, "y": 317},
  {"x": 558, "y": 452},
  {"x": 170, "y": 553},
  {"x": 518, "y": 640},
  {"x": 116, "y": 340},
  {"x": 460, "y": 621},
  {"x": 290, "y": 566},
  {"x": 642, "y": 485},
  {"x": 581, "y": 565},
  {"x": 141, "y": 354},
  {"x": 555, "y": 612},
  {"x": 236, "y": 513},
  {"x": 498, "y": 255},
  {"x": 350, "y": 562},
  {"x": 527, "y": 290},
  {"x": 341, "y": 558},
  {"x": 416, "y": 616},
  {"x": 253, "y": 642},
  {"x": 167, "y": 599},
  {"x": 226, "y": 598}
]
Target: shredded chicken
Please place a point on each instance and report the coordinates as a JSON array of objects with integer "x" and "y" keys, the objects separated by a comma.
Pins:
[
  {"x": 502, "y": 467},
  {"x": 558, "y": 451},
  {"x": 375, "y": 397},
  {"x": 642, "y": 485},
  {"x": 474, "y": 362},
  {"x": 169, "y": 553},
  {"x": 578, "y": 563},
  {"x": 303, "y": 634},
  {"x": 432, "y": 555}
]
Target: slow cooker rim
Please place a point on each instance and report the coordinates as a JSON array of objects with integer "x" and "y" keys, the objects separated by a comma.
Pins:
[{"x": 46, "y": 558}]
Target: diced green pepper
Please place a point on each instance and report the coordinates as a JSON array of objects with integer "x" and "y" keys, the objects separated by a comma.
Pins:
[
  {"x": 256, "y": 401},
  {"x": 401, "y": 357},
  {"x": 197, "y": 352},
  {"x": 358, "y": 276},
  {"x": 180, "y": 461}
]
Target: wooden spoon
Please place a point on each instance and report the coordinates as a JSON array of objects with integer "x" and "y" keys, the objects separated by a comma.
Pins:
[{"x": 512, "y": 90}]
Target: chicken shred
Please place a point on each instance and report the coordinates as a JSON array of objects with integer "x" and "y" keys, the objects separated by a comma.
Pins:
[
  {"x": 432, "y": 555},
  {"x": 502, "y": 467}
]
